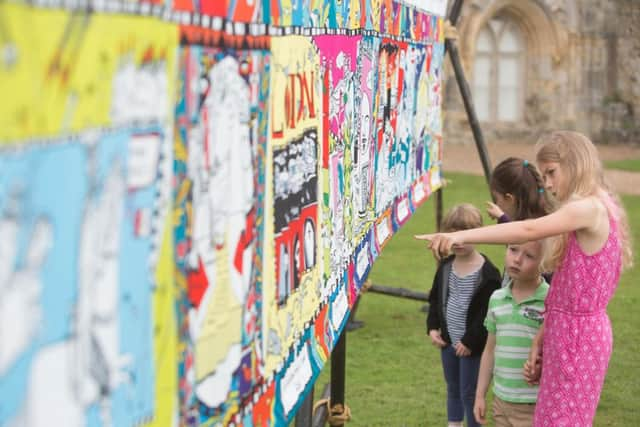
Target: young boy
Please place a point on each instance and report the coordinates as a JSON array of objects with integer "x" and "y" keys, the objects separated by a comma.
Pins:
[
  {"x": 513, "y": 319},
  {"x": 457, "y": 308}
]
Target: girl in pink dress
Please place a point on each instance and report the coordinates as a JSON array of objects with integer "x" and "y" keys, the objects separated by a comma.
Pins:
[{"x": 591, "y": 247}]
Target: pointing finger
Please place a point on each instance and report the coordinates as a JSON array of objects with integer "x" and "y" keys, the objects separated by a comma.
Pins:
[{"x": 423, "y": 237}]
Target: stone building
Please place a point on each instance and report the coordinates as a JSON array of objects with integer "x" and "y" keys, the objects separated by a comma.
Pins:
[{"x": 534, "y": 65}]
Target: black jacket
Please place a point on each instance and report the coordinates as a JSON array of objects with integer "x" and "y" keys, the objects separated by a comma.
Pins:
[{"x": 475, "y": 335}]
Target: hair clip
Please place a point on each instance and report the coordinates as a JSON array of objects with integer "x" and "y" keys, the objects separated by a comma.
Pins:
[
  {"x": 540, "y": 190},
  {"x": 525, "y": 163}
]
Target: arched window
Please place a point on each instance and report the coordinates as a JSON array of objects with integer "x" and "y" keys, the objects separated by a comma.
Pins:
[{"x": 498, "y": 72}]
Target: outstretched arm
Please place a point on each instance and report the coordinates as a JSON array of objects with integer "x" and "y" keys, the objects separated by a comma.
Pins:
[{"x": 575, "y": 215}]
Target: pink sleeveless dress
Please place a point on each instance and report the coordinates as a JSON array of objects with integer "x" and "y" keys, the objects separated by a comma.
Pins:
[{"x": 577, "y": 340}]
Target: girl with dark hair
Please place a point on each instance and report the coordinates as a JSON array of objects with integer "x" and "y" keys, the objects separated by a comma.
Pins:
[{"x": 518, "y": 191}]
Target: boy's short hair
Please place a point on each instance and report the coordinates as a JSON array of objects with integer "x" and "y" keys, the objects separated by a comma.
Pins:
[{"x": 462, "y": 217}]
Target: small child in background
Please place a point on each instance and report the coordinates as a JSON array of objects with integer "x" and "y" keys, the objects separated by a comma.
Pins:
[
  {"x": 457, "y": 307},
  {"x": 513, "y": 319},
  {"x": 518, "y": 191}
]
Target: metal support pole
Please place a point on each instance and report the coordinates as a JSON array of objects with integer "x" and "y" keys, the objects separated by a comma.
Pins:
[
  {"x": 439, "y": 208},
  {"x": 305, "y": 412},
  {"x": 454, "y": 55},
  {"x": 321, "y": 414},
  {"x": 399, "y": 292},
  {"x": 353, "y": 323},
  {"x": 454, "y": 12},
  {"x": 338, "y": 375}
]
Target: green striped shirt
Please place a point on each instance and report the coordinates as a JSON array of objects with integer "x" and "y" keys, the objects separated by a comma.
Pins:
[{"x": 514, "y": 326}]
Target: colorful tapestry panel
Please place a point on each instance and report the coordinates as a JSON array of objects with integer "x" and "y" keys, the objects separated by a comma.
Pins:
[{"x": 193, "y": 194}]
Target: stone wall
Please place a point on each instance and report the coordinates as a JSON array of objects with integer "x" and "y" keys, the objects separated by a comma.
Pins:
[
  {"x": 623, "y": 110},
  {"x": 582, "y": 63}
]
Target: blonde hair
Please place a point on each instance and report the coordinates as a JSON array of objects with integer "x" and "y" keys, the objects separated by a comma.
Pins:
[
  {"x": 462, "y": 217},
  {"x": 544, "y": 244},
  {"x": 581, "y": 165}
]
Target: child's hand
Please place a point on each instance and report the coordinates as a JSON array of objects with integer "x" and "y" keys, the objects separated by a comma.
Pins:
[
  {"x": 441, "y": 244},
  {"x": 533, "y": 371},
  {"x": 480, "y": 410},
  {"x": 494, "y": 210},
  {"x": 533, "y": 365},
  {"x": 462, "y": 350},
  {"x": 436, "y": 339}
]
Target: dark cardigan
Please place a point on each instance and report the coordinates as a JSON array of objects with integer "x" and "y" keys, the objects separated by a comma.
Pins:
[{"x": 475, "y": 335}]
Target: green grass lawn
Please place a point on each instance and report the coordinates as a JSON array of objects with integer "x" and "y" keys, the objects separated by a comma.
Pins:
[
  {"x": 394, "y": 376},
  {"x": 632, "y": 165}
]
